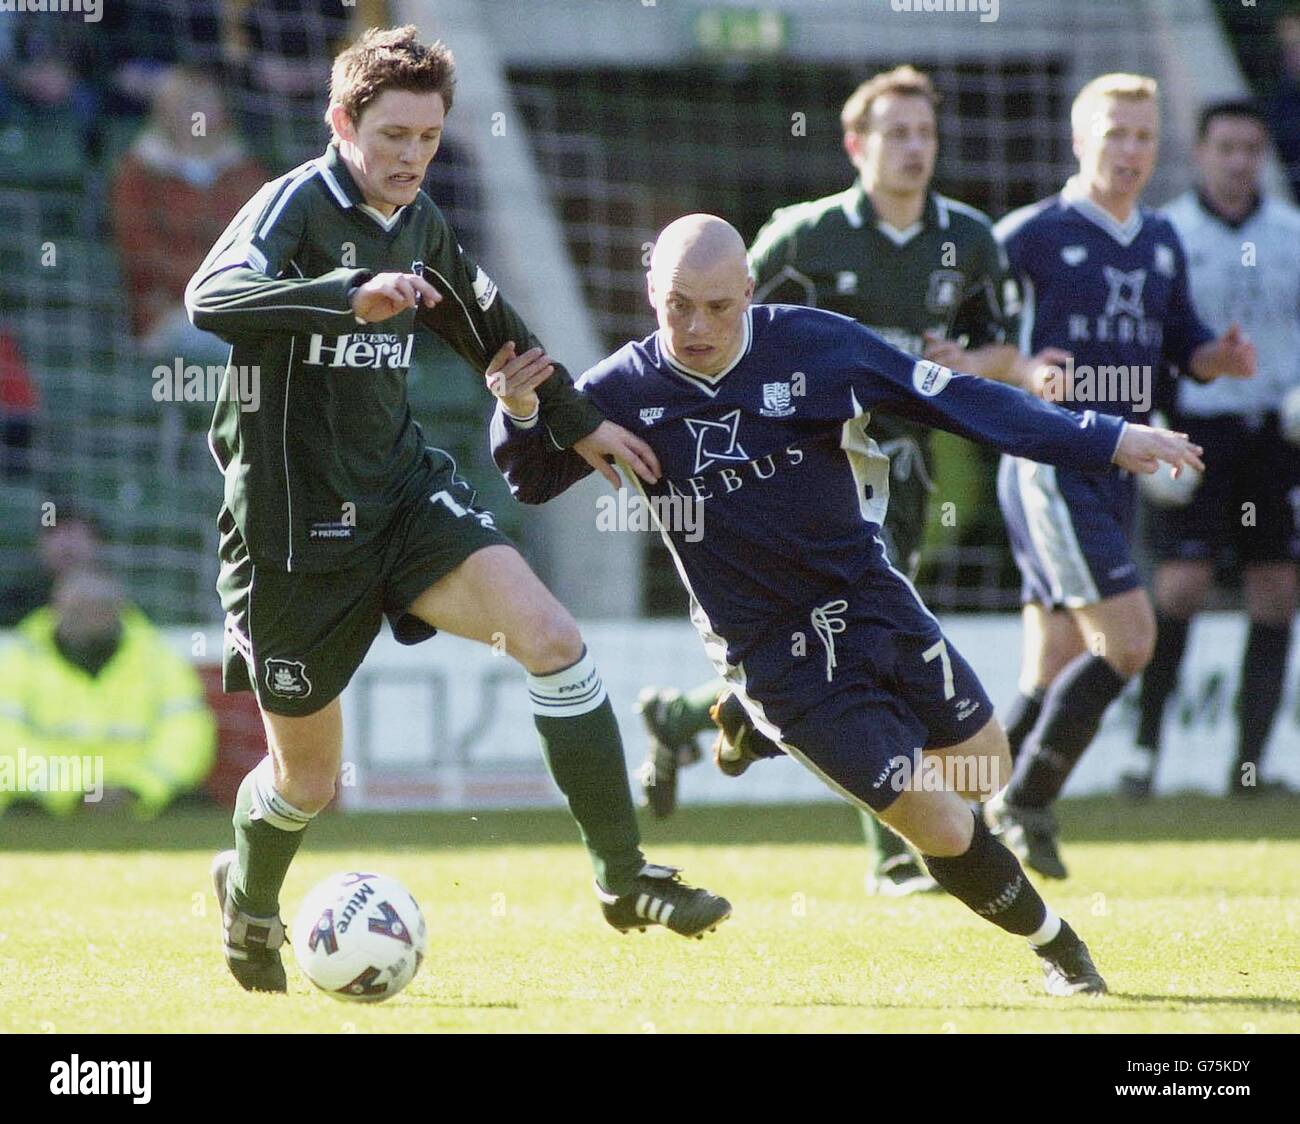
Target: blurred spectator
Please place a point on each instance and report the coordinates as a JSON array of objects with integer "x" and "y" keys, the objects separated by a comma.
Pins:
[
  {"x": 90, "y": 677},
  {"x": 142, "y": 39},
  {"x": 181, "y": 183},
  {"x": 291, "y": 44},
  {"x": 49, "y": 64},
  {"x": 71, "y": 543},
  {"x": 17, "y": 405},
  {"x": 280, "y": 53},
  {"x": 1284, "y": 107}
]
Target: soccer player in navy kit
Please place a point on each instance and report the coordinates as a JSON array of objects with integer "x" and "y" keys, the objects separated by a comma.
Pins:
[
  {"x": 760, "y": 415},
  {"x": 923, "y": 271},
  {"x": 1106, "y": 280}
]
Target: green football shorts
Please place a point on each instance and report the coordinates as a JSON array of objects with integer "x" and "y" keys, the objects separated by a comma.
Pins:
[
  {"x": 907, "y": 447},
  {"x": 296, "y": 640}
]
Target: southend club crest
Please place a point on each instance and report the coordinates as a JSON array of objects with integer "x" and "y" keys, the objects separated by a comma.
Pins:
[
  {"x": 287, "y": 679},
  {"x": 776, "y": 400}
]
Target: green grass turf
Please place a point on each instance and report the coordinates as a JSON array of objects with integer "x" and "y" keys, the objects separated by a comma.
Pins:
[{"x": 1191, "y": 907}]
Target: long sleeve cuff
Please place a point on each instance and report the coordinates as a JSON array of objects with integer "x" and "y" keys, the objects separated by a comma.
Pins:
[{"x": 524, "y": 422}]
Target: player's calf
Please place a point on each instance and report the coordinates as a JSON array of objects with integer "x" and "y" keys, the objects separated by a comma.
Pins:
[{"x": 972, "y": 865}]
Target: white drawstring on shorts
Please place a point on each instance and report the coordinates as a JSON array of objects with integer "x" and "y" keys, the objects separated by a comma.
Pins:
[{"x": 826, "y": 623}]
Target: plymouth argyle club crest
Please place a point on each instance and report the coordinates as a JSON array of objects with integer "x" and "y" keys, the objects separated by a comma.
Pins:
[
  {"x": 944, "y": 291},
  {"x": 287, "y": 679}
]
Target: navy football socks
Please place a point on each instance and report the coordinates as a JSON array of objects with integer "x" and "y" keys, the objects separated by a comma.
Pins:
[
  {"x": 1160, "y": 678},
  {"x": 1072, "y": 711},
  {"x": 989, "y": 880},
  {"x": 1022, "y": 714}
]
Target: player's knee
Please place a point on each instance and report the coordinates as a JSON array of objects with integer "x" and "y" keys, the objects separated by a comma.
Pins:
[
  {"x": 1182, "y": 601},
  {"x": 1271, "y": 603},
  {"x": 1129, "y": 655},
  {"x": 549, "y": 644},
  {"x": 309, "y": 790},
  {"x": 947, "y": 831},
  {"x": 999, "y": 756},
  {"x": 1181, "y": 590}
]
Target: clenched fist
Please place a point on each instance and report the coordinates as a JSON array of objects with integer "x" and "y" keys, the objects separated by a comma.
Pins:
[{"x": 387, "y": 294}]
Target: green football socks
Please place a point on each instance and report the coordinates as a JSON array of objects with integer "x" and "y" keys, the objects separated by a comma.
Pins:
[
  {"x": 268, "y": 831},
  {"x": 689, "y": 715},
  {"x": 584, "y": 753}
]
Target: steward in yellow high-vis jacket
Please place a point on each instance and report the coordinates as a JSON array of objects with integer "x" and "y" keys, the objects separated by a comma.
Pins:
[{"x": 93, "y": 699}]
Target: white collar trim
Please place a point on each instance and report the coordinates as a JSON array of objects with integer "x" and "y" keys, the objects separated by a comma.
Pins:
[
  {"x": 340, "y": 195},
  {"x": 378, "y": 216},
  {"x": 848, "y": 205},
  {"x": 698, "y": 377},
  {"x": 1073, "y": 194},
  {"x": 900, "y": 237}
]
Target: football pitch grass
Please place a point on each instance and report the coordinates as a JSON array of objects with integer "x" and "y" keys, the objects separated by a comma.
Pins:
[{"x": 1191, "y": 906}]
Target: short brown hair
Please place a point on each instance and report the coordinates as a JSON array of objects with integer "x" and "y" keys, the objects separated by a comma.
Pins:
[
  {"x": 391, "y": 58},
  {"x": 901, "y": 80}
]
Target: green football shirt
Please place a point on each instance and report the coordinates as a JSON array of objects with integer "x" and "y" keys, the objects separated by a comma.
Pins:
[
  {"x": 945, "y": 274},
  {"x": 313, "y": 432}
]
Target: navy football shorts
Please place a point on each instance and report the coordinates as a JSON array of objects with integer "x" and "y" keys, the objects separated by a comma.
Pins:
[
  {"x": 860, "y": 682},
  {"x": 1071, "y": 532}
]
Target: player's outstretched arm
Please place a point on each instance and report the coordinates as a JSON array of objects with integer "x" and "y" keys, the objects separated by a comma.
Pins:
[
  {"x": 530, "y": 459},
  {"x": 476, "y": 321},
  {"x": 992, "y": 413},
  {"x": 231, "y": 302},
  {"x": 1143, "y": 448},
  {"x": 1018, "y": 423}
]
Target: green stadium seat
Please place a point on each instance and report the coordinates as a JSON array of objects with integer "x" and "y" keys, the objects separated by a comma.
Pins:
[{"x": 41, "y": 149}]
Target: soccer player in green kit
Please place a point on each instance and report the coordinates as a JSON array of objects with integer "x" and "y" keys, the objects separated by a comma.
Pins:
[
  {"x": 336, "y": 513},
  {"x": 925, "y": 272}
]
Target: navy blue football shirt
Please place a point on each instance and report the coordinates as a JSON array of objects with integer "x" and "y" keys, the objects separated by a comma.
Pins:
[
  {"x": 1113, "y": 294},
  {"x": 776, "y": 452}
]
